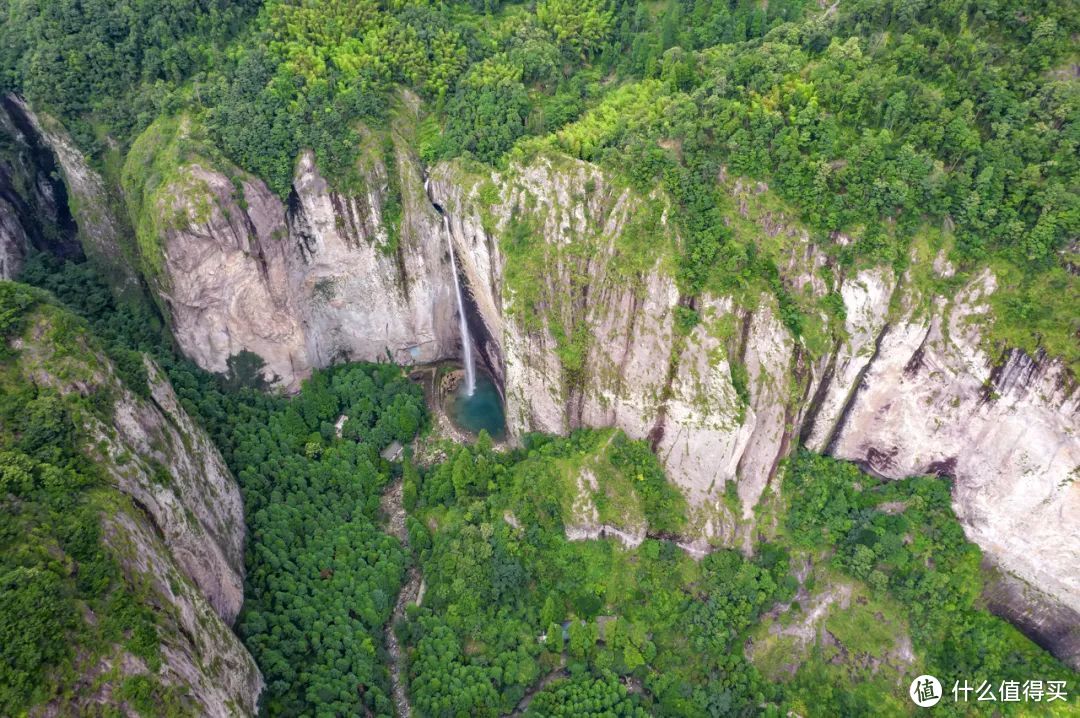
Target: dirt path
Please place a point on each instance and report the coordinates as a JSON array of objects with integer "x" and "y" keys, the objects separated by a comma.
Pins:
[
  {"x": 410, "y": 592},
  {"x": 523, "y": 704}
]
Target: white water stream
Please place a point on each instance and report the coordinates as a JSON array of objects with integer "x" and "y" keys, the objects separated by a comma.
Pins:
[{"x": 466, "y": 342}]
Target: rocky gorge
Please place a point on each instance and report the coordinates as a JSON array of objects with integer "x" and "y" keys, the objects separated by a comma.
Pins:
[
  {"x": 575, "y": 311},
  {"x": 170, "y": 514}
]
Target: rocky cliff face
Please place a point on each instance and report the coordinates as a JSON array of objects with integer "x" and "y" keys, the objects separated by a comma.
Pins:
[
  {"x": 929, "y": 399},
  {"x": 321, "y": 278},
  {"x": 71, "y": 210},
  {"x": 14, "y": 235},
  {"x": 34, "y": 212},
  {"x": 175, "y": 524},
  {"x": 370, "y": 288},
  {"x": 588, "y": 315},
  {"x": 571, "y": 298},
  {"x": 910, "y": 388}
]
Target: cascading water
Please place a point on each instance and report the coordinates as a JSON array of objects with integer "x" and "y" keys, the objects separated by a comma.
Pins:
[
  {"x": 477, "y": 405},
  {"x": 466, "y": 341}
]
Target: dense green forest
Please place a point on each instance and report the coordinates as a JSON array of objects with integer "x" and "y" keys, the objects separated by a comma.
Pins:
[
  {"x": 514, "y": 616},
  {"x": 892, "y": 122},
  {"x": 321, "y": 574},
  {"x": 887, "y": 121}
]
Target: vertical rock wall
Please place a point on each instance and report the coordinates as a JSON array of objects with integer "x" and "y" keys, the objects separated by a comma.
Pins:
[
  {"x": 909, "y": 389},
  {"x": 569, "y": 282},
  {"x": 318, "y": 279},
  {"x": 930, "y": 400},
  {"x": 83, "y": 202},
  {"x": 368, "y": 290},
  {"x": 34, "y": 213},
  {"x": 175, "y": 525}
]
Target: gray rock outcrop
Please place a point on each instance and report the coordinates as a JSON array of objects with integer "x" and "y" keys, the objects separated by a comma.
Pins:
[
  {"x": 84, "y": 210},
  {"x": 573, "y": 304},
  {"x": 369, "y": 290},
  {"x": 911, "y": 389},
  {"x": 34, "y": 212},
  {"x": 175, "y": 524},
  {"x": 321, "y": 278}
]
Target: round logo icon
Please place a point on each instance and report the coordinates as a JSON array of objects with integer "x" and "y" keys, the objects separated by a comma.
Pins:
[{"x": 925, "y": 691}]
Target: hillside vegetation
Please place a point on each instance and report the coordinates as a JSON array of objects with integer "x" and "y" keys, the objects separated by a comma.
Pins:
[
  {"x": 517, "y": 617},
  {"x": 557, "y": 574},
  {"x": 879, "y": 120}
]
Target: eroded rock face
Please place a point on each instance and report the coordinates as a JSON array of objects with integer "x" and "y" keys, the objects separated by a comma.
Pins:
[
  {"x": 319, "y": 279},
  {"x": 1047, "y": 621},
  {"x": 14, "y": 238},
  {"x": 224, "y": 275},
  {"x": 909, "y": 390},
  {"x": 932, "y": 401},
  {"x": 577, "y": 317},
  {"x": 587, "y": 316},
  {"x": 572, "y": 301},
  {"x": 866, "y": 301},
  {"x": 155, "y": 453},
  {"x": 34, "y": 212},
  {"x": 198, "y": 511},
  {"x": 86, "y": 205},
  {"x": 367, "y": 291},
  {"x": 176, "y": 529},
  {"x": 199, "y": 652}
]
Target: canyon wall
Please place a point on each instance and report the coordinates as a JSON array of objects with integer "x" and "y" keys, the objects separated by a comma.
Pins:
[
  {"x": 573, "y": 303},
  {"x": 909, "y": 388},
  {"x": 34, "y": 207},
  {"x": 322, "y": 277},
  {"x": 52, "y": 200},
  {"x": 572, "y": 299},
  {"x": 171, "y": 516}
]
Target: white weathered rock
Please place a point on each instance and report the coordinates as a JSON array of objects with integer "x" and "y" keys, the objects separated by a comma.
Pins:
[
  {"x": 866, "y": 301},
  {"x": 361, "y": 296},
  {"x": 902, "y": 394},
  {"x": 702, "y": 436},
  {"x": 932, "y": 401},
  {"x": 224, "y": 276},
  {"x": 768, "y": 356}
]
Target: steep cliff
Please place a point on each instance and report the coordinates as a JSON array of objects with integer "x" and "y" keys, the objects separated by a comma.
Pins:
[
  {"x": 78, "y": 212},
  {"x": 170, "y": 517},
  {"x": 323, "y": 277},
  {"x": 930, "y": 399},
  {"x": 909, "y": 387},
  {"x": 589, "y": 314},
  {"x": 572, "y": 300},
  {"x": 34, "y": 212}
]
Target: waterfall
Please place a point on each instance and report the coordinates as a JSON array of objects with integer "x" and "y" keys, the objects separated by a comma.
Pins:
[{"x": 466, "y": 342}]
